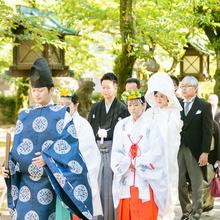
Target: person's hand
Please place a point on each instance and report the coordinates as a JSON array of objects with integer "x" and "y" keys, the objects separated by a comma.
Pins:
[
  {"x": 38, "y": 160},
  {"x": 218, "y": 163},
  {"x": 5, "y": 172},
  {"x": 203, "y": 159}
]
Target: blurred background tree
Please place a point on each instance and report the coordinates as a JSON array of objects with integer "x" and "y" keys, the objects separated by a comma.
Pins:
[{"x": 127, "y": 36}]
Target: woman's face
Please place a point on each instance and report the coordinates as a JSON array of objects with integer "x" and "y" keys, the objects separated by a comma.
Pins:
[
  {"x": 161, "y": 100},
  {"x": 135, "y": 108},
  {"x": 66, "y": 101},
  {"x": 41, "y": 96}
]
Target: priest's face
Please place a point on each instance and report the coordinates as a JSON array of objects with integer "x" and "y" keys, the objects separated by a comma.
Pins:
[
  {"x": 41, "y": 96},
  {"x": 109, "y": 89},
  {"x": 161, "y": 100},
  {"x": 136, "y": 108}
]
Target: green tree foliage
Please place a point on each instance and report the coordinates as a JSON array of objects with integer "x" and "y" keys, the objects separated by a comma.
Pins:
[
  {"x": 150, "y": 24},
  {"x": 7, "y": 110},
  {"x": 136, "y": 31},
  {"x": 207, "y": 14}
]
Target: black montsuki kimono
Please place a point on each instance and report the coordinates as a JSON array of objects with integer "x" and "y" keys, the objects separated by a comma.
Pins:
[{"x": 99, "y": 119}]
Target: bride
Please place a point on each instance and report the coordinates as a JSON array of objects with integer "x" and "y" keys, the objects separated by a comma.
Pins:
[{"x": 165, "y": 111}]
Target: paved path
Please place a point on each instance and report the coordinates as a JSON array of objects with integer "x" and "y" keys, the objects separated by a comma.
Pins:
[{"x": 211, "y": 215}]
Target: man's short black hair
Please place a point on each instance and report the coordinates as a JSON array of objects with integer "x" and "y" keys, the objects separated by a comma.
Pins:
[
  {"x": 175, "y": 79},
  {"x": 110, "y": 76},
  {"x": 133, "y": 80}
]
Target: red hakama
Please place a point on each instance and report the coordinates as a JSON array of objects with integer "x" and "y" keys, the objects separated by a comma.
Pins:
[{"x": 134, "y": 209}]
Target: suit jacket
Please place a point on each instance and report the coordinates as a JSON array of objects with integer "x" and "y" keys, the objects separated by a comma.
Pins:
[
  {"x": 196, "y": 133},
  {"x": 215, "y": 153},
  {"x": 217, "y": 115}
]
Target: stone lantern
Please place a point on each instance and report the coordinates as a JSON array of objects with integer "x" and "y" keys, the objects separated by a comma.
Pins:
[
  {"x": 25, "y": 52},
  {"x": 195, "y": 61}
]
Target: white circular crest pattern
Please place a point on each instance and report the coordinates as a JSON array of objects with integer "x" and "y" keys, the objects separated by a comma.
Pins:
[
  {"x": 14, "y": 192},
  {"x": 17, "y": 167},
  {"x": 61, "y": 147},
  {"x": 25, "y": 147},
  {"x": 13, "y": 214},
  {"x": 44, "y": 196},
  {"x": 59, "y": 126},
  {"x": 46, "y": 144},
  {"x": 40, "y": 124},
  {"x": 80, "y": 192},
  {"x": 75, "y": 167},
  {"x": 87, "y": 214},
  {"x": 52, "y": 216},
  {"x": 72, "y": 131},
  {"x": 27, "y": 110},
  {"x": 55, "y": 108},
  {"x": 19, "y": 127},
  {"x": 35, "y": 172},
  {"x": 60, "y": 179},
  {"x": 11, "y": 166},
  {"x": 24, "y": 194},
  {"x": 31, "y": 215}
]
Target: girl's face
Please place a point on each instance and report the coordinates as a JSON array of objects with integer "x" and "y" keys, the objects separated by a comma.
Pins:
[
  {"x": 161, "y": 100},
  {"x": 135, "y": 108},
  {"x": 66, "y": 101},
  {"x": 41, "y": 96}
]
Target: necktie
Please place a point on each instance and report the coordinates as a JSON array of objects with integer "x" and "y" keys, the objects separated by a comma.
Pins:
[{"x": 186, "y": 107}]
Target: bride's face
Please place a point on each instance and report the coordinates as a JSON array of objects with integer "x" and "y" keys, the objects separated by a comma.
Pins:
[{"x": 161, "y": 100}]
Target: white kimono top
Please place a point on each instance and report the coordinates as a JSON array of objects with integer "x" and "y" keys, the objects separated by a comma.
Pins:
[
  {"x": 150, "y": 163},
  {"x": 91, "y": 156}
]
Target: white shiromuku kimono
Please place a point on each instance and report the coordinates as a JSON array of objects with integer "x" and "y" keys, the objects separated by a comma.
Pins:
[
  {"x": 150, "y": 163},
  {"x": 91, "y": 156},
  {"x": 169, "y": 121}
]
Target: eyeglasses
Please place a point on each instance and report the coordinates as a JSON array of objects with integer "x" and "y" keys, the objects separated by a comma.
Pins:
[{"x": 185, "y": 86}]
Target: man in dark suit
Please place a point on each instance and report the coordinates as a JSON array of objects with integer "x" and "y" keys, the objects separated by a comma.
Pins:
[
  {"x": 213, "y": 100},
  {"x": 195, "y": 143},
  {"x": 214, "y": 155}
]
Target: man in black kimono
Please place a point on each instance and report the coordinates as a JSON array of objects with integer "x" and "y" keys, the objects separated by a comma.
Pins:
[{"x": 103, "y": 117}]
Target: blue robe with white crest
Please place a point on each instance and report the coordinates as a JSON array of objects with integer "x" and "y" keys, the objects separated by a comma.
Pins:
[{"x": 32, "y": 190}]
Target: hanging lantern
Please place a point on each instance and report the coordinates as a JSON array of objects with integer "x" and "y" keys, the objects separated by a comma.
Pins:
[{"x": 25, "y": 51}]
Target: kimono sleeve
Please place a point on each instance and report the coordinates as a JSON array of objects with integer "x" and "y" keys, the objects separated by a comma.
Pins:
[
  {"x": 120, "y": 161},
  {"x": 152, "y": 167},
  {"x": 67, "y": 172},
  {"x": 13, "y": 185}
]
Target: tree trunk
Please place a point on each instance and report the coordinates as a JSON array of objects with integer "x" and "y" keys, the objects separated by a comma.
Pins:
[
  {"x": 214, "y": 36},
  {"x": 125, "y": 61}
]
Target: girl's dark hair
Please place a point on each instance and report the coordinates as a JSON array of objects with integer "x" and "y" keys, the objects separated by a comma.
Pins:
[
  {"x": 143, "y": 100},
  {"x": 74, "y": 99}
]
